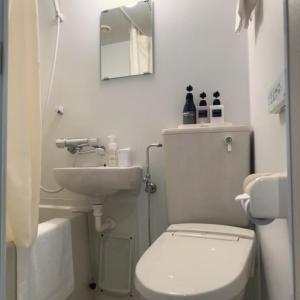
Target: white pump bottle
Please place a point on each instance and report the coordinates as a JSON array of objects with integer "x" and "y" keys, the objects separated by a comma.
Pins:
[{"x": 112, "y": 149}]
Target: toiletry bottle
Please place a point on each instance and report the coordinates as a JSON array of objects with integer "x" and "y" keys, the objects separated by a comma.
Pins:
[
  {"x": 216, "y": 110},
  {"x": 124, "y": 157},
  {"x": 112, "y": 149},
  {"x": 202, "y": 110},
  {"x": 189, "y": 110}
]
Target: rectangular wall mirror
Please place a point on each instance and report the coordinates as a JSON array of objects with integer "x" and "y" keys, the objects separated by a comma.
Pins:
[{"x": 126, "y": 40}]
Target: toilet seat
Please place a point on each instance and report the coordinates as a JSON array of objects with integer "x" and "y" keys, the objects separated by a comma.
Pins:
[{"x": 196, "y": 262}]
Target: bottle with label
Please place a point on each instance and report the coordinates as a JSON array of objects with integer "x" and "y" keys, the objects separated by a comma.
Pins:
[
  {"x": 112, "y": 149},
  {"x": 189, "y": 110},
  {"x": 202, "y": 110},
  {"x": 217, "y": 110}
]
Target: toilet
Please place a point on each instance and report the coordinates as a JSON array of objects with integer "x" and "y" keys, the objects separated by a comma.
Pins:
[{"x": 207, "y": 253}]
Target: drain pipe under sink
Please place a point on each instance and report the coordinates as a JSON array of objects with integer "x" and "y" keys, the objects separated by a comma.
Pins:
[{"x": 100, "y": 224}]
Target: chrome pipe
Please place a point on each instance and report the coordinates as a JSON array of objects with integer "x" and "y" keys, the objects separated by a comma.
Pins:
[
  {"x": 157, "y": 145},
  {"x": 150, "y": 187}
]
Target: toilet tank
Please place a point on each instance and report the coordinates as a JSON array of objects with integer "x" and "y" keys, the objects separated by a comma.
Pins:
[{"x": 203, "y": 175}]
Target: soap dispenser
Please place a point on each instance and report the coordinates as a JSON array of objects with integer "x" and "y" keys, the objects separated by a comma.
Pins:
[
  {"x": 189, "y": 110},
  {"x": 202, "y": 110},
  {"x": 217, "y": 110},
  {"x": 112, "y": 149}
]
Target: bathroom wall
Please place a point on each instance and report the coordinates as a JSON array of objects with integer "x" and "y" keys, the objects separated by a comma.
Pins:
[
  {"x": 266, "y": 63},
  {"x": 194, "y": 44},
  {"x": 294, "y": 112}
]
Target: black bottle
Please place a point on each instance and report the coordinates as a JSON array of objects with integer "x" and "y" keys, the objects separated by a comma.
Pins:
[{"x": 189, "y": 110}]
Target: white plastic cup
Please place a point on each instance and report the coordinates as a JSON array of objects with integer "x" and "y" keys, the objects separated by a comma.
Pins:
[{"x": 124, "y": 157}]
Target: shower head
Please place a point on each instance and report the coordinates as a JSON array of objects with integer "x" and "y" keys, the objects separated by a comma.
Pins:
[
  {"x": 105, "y": 28},
  {"x": 58, "y": 13}
]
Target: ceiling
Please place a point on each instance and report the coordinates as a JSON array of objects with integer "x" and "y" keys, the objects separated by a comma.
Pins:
[{"x": 141, "y": 14}]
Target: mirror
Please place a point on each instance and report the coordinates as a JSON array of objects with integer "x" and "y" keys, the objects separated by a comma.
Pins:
[{"x": 126, "y": 41}]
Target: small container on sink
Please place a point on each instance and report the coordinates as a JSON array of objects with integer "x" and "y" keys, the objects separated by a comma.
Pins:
[{"x": 124, "y": 157}]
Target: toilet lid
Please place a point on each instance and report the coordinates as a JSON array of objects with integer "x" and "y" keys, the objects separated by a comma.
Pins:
[{"x": 196, "y": 261}]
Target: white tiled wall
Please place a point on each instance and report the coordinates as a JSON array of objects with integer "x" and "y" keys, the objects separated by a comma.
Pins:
[
  {"x": 266, "y": 64},
  {"x": 194, "y": 44}
]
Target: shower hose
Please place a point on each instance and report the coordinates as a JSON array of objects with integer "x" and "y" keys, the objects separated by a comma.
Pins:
[{"x": 49, "y": 92}]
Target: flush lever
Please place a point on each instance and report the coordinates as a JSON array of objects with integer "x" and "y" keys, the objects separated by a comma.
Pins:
[{"x": 228, "y": 143}]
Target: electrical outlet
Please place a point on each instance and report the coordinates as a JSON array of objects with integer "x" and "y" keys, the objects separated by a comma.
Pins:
[{"x": 278, "y": 95}]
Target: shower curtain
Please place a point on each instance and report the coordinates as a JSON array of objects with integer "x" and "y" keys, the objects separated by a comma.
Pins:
[
  {"x": 24, "y": 124},
  {"x": 140, "y": 52}
]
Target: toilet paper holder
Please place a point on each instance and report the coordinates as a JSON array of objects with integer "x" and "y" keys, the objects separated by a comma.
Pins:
[{"x": 265, "y": 197}]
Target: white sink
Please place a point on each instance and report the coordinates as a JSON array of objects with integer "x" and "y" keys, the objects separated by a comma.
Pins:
[{"x": 99, "y": 182}]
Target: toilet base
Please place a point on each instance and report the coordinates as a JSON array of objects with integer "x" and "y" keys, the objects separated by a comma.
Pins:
[{"x": 239, "y": 297}]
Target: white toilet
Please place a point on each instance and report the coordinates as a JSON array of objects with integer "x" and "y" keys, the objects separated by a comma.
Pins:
[{"x": 205, "y": 254}]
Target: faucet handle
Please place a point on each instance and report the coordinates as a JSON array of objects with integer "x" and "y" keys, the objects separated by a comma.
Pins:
[
  {"x": 60, "y": 143},
  {"x": 94, "y": 142}
]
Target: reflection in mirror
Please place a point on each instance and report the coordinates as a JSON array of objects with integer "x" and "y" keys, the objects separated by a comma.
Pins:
[{"x": 126, "y": 41}]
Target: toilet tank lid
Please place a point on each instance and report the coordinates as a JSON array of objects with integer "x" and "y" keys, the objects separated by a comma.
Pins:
[
  {"x": 226, "y": 128},
  {"x": 213, "y": 229}
]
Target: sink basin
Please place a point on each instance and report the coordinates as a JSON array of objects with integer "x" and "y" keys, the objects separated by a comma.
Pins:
[{"x": 99, "y": 182}]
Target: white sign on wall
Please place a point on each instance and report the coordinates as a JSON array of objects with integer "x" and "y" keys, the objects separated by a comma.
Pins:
[{"x": 278, "y": 95}]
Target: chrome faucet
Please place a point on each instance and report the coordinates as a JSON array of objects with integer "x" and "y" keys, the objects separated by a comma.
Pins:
[
  {"x": 84, "y": 145},
  {"x": 150, "y": 187}
]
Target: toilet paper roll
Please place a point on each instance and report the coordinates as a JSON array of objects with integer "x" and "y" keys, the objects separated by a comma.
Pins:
[{"x": 244, "y": 199}]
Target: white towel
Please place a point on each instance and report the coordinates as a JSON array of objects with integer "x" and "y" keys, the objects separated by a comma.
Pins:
[
  {"x": 45, "y": 271},
  {"x": 244, "y": 10}
]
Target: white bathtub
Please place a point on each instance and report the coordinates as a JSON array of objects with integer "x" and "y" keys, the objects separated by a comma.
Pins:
[
  {"x": 48, "y": 212},
  {"x": 81, "y": 251}
]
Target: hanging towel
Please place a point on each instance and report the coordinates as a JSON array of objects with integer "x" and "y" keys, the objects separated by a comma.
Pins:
[
  {"x": 244, "y": 10},
  {"x": 45, "y": 270}
]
